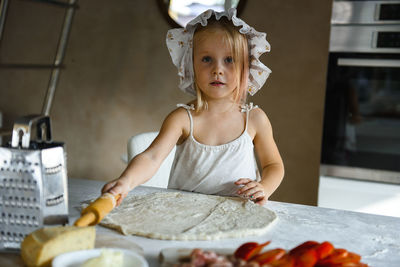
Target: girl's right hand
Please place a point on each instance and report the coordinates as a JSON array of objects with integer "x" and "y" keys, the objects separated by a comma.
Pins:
[{"x": 117, "y": 186}]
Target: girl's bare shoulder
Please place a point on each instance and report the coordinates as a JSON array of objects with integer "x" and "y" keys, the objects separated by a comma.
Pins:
[
  {"x": 258, "y": 120},
  {"x": 178, "y": 120},
  {"x": 177, "y": 116}
]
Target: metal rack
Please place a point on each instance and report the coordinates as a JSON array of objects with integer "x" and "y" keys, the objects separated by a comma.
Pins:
[{"x": 57, "y": 65}]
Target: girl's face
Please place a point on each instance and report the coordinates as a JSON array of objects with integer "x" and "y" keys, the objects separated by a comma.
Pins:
[{"x": 213, "y": 65}]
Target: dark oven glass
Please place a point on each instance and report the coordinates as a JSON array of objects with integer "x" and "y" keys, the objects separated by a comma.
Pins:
[{"x": 362, "y": 111}]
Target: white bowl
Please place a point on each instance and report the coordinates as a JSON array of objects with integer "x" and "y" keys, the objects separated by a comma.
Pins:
[{"x": 76, "y": 258}]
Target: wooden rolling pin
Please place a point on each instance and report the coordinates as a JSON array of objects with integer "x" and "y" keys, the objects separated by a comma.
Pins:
[{"x": 96, "y": 210}]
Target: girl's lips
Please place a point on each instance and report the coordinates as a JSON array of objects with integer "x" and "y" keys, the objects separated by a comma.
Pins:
[{"x": 217, "y": 83}]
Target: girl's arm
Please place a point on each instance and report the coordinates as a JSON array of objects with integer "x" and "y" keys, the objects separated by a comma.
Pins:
[
  {"x": 269, "y": 158},
  {"x": 144, "y": 165}
]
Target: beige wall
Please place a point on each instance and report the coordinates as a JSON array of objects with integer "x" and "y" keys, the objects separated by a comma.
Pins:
[{"x": 119, "y": 80}]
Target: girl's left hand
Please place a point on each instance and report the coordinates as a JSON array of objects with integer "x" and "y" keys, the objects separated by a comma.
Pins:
[{"x": 252, "y": 190}]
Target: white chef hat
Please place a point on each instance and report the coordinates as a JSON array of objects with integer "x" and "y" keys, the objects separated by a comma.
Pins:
[{"x": 180, "y": 47}]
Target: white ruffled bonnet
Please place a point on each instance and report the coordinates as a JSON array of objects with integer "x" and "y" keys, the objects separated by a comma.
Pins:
[{"x": 180, "y": 47}]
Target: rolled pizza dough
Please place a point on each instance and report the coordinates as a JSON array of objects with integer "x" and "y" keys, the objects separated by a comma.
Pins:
[{"x": 189, "y": 216}]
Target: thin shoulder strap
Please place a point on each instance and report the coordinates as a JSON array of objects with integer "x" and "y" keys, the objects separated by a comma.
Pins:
[
  {"x": 188, "y": 108},
  {"x": 247, "y": 108}
]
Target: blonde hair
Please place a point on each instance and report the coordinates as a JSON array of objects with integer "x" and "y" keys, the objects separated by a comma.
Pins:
[{"x": 239, "y": 45}]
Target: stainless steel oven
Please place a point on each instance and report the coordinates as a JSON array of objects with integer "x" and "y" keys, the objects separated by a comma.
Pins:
[{"x": 361, "y": 137}]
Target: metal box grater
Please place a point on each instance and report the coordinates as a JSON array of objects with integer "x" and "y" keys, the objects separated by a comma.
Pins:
[{"x": 33, "y": 182}]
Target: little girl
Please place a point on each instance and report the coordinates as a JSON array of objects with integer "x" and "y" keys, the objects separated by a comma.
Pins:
[{"x": 215, "y": 134}]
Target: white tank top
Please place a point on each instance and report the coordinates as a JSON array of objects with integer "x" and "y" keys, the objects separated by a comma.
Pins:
[{"x": 213, "y": 169}]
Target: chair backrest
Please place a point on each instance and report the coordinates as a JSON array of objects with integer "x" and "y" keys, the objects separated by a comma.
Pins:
[{"x": 139, "y": 143}]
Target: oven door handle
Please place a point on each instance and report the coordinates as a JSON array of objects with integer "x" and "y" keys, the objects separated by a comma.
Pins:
[{"x": 368, "y": 62}]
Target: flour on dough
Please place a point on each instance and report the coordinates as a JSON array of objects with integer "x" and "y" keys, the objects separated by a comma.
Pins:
[{"x": 188, "y": 216}]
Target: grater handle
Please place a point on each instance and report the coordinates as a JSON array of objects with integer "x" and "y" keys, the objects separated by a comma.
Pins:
[
  {"x": 23, "y": 128},
  {"x": 44, "y": 121}
]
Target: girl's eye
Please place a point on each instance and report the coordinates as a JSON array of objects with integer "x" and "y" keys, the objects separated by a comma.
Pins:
[
  {"x": 229, "y": 60},
  {"x": 206, "y": 59}
]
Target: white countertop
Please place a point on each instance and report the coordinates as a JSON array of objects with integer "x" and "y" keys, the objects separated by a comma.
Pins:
[{"x": 374, "y": 237}]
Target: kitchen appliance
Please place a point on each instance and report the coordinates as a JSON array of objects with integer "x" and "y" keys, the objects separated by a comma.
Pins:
[
  {"x": 361, "y": 137},
  {"x": 33, "y": 181}
]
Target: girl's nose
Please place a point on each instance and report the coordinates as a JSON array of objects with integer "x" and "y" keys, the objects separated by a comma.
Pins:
[{"x": 217, "y": 70}]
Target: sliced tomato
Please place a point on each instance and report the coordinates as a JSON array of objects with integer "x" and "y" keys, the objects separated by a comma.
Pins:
[
  {"x": 303, "y": 247},
  {"x": 249, "y": 250},
  {"x": 285, "y": 261},
  {"x": 347, "y": 264},
  {"x": 307, "y": 258},
  {"x": 305, "y": 254},
  {"x": 353, "y": 257},
  {"x": 354, "y": 264},
  {"x": 324, "y": 249},
  {"x": 269, "y": 256},
  {"x": 339, "y": 256}
]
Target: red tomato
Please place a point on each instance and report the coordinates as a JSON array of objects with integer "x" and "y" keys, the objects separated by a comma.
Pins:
[
  {"x": 307, "y": 258},
  {"x": 269, "y": 256},
  {"x": 347, "y": 264},
  {"x": 324, "y": 249},
  {"x": 285, "y": 261},
  {"x": 339, "y": 256},
  {"x": 303, "y": 247},
  {"x": 248, "y": 250}
]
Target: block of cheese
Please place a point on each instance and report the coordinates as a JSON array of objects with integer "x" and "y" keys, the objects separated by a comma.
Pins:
[
  {"x": 41, "y": 246},
  {"x": 107, "y": 258}
]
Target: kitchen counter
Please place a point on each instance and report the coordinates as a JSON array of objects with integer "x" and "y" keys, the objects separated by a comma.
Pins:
[{"x": 374, "y": 237}]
